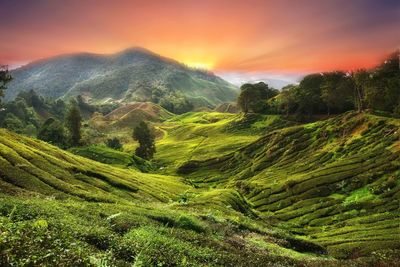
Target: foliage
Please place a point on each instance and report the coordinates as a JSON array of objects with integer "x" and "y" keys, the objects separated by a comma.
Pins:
[
  {"x": 130, "y": 75},
  {"x": 74, "y": 124},
  {"x": 114, "y": 143},
  {"x": 176, "y": 103},
  {"x": 53, "y": 132},
  {"x": 253, "y": 97},
  {"x": 338, "y": 92},
  {"x": 145, "y": 137},
  {"x": 5, "y": 78},
  {"x": 29, "y": 111}
]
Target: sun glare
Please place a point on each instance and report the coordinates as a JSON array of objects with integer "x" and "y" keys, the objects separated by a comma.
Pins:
[{"x": 199, "y": 65}]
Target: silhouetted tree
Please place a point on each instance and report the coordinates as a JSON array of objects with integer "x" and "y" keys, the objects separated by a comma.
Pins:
[
  {"x": 253, "y": 97},
  {"x": 145, "y": 137},
  {"x": 360, "y": 79},
  {"x": 74, "y": 124},
  {"x": 5, "y": 78},
  {"x": 337, "y": 91}
]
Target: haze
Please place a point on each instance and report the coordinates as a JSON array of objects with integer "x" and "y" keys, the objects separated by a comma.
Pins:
[{"x": 244, "y": 37}]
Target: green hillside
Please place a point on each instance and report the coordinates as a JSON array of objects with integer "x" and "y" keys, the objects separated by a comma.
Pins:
[
  {"x": 335, "y": 181},
  {"x": 58, "y": 208},
  {"x": 323, "y": 193},
  {"x": 130, "y": 115},
  {"x": 32, "y": 166},
  {"x": 131, "y": 75},
  {"x": 203, "y": 135}
]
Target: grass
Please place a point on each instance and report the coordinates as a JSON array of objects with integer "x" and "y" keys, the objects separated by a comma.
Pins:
[
  {"x": 257, "y": 191},
  {"x": 203, "y": 135},
  {"x": 317, "y": 178}
]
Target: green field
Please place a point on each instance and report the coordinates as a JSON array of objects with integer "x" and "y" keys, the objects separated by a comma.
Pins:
[{"x": 222, "y": 190}]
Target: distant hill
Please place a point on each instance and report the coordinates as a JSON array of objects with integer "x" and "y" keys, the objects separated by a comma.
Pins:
[
  {"x": 134, "y": 74},
  {"x": 130, "y": 115}
]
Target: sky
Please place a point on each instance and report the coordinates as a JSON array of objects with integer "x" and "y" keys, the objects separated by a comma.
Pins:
[{"x": 250, "y": 37}]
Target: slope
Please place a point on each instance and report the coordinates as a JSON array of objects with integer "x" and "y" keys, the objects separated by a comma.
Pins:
[
  {"x": 130, "y": 115},
  {"x": 201, "y": 135},
  {"x": 60, "y": 209},
  {"x": 131, "y": 75},
  {"x": 336, "y": 181},
  {"x": 29, "y": 166}
]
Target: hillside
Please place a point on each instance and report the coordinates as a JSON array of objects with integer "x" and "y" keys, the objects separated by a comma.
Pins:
[
  {"x": 202, "y": 135},
  {"x": 131, "y": 75},
  {"x": 57, "y": 208},
  {"x": 129, "y": 115},
  {"x": 335, "y": 181},
  {"x": 324, "y": 193},
  {"x": 30, "y": 166}
]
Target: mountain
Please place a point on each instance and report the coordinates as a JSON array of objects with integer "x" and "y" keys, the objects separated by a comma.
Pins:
[{"x": 134, "y": 74}]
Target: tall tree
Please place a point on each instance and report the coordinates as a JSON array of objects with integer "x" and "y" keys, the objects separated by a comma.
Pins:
[
  {"x": 253, "y": 97},
  {"x": 336, "y": 91},
  {"x": 5, "y": 78},
  {"x": 361, "y": 80},
  {"x": 74, "y": 124},
  {"x": 308, "y": 95},
  {"x": 145, "y": 137},
  {"x": 287, "y": 99}
]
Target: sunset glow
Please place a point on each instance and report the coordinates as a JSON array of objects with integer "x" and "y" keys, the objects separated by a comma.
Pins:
[{"x": 254, "y": 35}]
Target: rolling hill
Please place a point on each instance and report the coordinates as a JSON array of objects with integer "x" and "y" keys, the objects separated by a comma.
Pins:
[
  {"x": 130, "y": 115},
  {"x": 131, "y": 75},
  {"x": 336, "y": 181},
  {"x": 316, "y": 194},
  {"x": 58, "y": 208}
]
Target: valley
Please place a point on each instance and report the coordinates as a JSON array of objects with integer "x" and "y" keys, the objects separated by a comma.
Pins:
[{"x": 289, "y": 193}]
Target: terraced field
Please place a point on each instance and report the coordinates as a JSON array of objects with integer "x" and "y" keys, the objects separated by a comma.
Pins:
[
  {"x": 335, "y": 181},
  {"x": 251, "y": 191},
  {"x": 202, "y": 135},
  {"x": 28, "y": 165},
  {"x": 60, "y": 209}
]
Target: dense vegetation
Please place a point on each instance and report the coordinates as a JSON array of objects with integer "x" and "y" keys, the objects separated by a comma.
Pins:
[
  {"x": 334, "y": 93},
  {"x": 131, "y": 75}
]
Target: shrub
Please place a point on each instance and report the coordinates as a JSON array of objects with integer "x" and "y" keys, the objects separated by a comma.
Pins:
[{"x": 114, "y": 143}]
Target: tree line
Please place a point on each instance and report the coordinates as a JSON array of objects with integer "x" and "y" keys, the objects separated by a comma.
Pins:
[{"x": 328, "y": 93}]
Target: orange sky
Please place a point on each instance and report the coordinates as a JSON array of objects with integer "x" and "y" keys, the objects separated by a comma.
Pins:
[{"x": 251, "y": 35}]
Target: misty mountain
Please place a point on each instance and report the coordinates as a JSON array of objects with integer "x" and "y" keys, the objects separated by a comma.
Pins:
[{"x": 134, "y": 74}]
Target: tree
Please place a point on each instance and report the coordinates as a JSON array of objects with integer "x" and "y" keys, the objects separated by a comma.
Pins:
[
  {"x": 308, "y": 95},
  {"x": 360, "y": 79},
  {"x": 114, "y": 143},
  {"x": 74, "y": 124},
  {"x": 13, "y": 123},
  {"x": 52, "y": 131},
  {"x": 383, "y": 93},
  {"x": 145, "y": 137},
  {"x": 336, "y": 91},
  {"x": 253, "y": 97},
  {"x": 5, "y": 78},
  {"x": 287, "y": 99}
]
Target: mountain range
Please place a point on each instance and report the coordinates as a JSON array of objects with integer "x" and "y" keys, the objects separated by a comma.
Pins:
[{"x": 134, "y": 74}]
